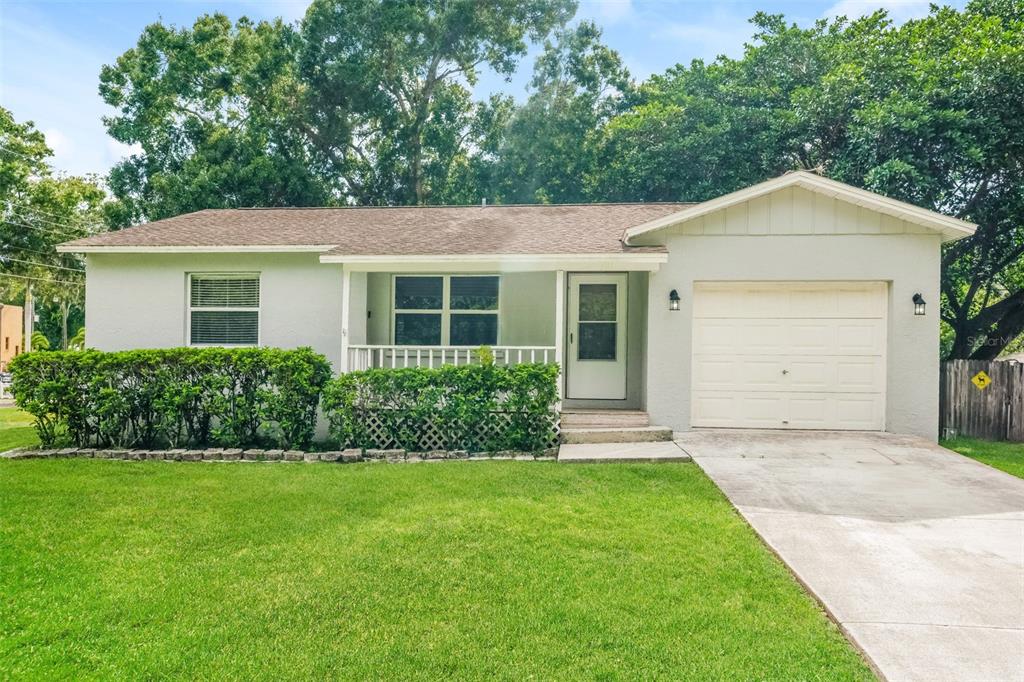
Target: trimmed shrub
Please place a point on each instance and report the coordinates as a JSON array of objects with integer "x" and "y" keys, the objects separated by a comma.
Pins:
[
  {"x": 179, "y": 397},
  {"x": 470, "y": 407}
]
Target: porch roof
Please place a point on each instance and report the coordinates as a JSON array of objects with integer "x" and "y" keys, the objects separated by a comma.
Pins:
[{"x": 566, "y": 229}]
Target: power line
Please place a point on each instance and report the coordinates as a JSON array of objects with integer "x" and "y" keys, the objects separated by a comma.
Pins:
[
  {"x": 43, "y": 265},
  {"x": 24, "y": 156},
  {"x": 43, "y": 229},
  {"x": 42, "y": 279},
  {"x": 10, "y": 247},
  {"x": 53, "y": 222}
]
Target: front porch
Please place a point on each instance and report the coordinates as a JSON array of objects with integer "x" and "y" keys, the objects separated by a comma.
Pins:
[{"x": 591, "y": 323}]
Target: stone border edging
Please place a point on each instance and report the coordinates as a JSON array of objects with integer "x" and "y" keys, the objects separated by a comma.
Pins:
[{"x": 257, "y": 455}]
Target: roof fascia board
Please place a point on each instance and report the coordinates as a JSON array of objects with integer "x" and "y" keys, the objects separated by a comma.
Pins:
[
  {"x": 288, "y": 248},
  {"x": 953, "y": 228},
  {"x": 648, "y": 262}
]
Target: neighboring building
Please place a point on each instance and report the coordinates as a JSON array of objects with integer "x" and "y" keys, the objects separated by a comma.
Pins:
[
  {"x": 11, "y": 336},
  {"x": 789, "y": 304}
]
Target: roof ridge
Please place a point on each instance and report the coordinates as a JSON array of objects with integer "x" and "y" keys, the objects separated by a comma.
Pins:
[{"x": 335, "y": 208}]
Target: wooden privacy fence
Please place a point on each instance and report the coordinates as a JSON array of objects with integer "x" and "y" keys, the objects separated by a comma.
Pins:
[{"x": 995, "y": 412}]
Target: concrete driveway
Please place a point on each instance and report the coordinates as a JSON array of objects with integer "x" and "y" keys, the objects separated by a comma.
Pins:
[{"x": 917, "y": 552}]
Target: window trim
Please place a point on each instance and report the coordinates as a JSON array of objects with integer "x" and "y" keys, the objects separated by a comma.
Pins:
[
  {"x": 446, "y": 311},
  {"x": 258, "y": 276}
]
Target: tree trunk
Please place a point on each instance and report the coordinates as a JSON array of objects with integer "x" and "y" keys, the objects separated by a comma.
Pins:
[
  {"x": 1004, "y": 333},
  {"x": 65, "y": 310}
]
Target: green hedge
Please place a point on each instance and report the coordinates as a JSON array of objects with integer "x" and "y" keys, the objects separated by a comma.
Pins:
[
  {"x": 470, "y": 407},
  {"x": 180, "y": 397}
]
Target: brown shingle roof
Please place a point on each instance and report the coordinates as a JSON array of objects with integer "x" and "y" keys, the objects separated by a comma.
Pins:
[{"x": 411, "y": 231}]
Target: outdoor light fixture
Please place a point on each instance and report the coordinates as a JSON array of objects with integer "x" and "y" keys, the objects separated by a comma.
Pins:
[
  {"x": 673, "y": 300},
  {"x": 918, "y": 304}
]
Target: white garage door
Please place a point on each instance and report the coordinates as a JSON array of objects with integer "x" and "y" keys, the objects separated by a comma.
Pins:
[{"x": 789, "y": 355}]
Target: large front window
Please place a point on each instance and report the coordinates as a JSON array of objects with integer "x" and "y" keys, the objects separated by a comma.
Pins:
[
  {"x": 446, "y": 310},
  {"x": 224, "y": 309}
]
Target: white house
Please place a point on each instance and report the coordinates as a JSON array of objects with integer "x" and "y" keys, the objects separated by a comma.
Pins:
[{"x": 798, "y": 303}]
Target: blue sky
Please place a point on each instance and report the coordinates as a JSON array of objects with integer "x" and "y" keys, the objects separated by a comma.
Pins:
[{"x": 51, "y": 51}]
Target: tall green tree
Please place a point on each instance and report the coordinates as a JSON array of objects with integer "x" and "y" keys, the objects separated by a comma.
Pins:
[
  {"x": 213, "y": 108},
  {"x": 388, "y": 104},
  {"x": 39, "y": 210},
  {"x": 578, "y": 85}
]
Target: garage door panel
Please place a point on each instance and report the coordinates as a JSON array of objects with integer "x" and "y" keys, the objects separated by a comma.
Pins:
[
  {"x": 789, "y": 336},
  {"x": 817, "y": 337},
  {"x": 790, "y": 299},
  {"x": 860, "y": 374},
  {"x": 809, "y": 412},
  {"x": 715, "y": 409},
  {"x": 822, "y": 374},
  {"x": 859, "y": 412},
  {"x": 860, "y": 337},
  {"x": 759, "y": 374},
  {"x": 717, "y": 337},
  {"x": 792, "y": 410},
  {"x": 796, "y": 355},
  {"x": 818, "y": 374},
  {"x": 715, "y": 374}
]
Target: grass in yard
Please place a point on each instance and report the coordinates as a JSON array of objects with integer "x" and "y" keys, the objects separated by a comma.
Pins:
[
  {"x": 499, "y": 570},
  {"x": 16, "y": 429},
  {"x": 1006, "y": 456}
]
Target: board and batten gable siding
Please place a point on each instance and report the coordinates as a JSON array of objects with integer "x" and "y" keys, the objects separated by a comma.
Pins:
[
  {"x": 791, "y": 210},
  {"x": 139, "y": 300},
  {"x": 795, "y": 235}
]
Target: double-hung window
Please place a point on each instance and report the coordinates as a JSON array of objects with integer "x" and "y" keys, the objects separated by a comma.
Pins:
[
  {"x": 446, "y": 310},
  {"x": 224, "y": 309}
]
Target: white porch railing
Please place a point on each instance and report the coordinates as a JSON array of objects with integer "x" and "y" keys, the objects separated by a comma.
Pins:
[{"x": 395, "y": 357}]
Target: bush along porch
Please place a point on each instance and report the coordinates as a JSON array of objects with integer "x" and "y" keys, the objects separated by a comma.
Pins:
[{"x": 263, "y": 404}]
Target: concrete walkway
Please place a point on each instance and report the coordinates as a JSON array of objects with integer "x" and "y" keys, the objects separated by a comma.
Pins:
[
  {"x": 916, "y": 551},
  {"x": 592, "y": 453}
]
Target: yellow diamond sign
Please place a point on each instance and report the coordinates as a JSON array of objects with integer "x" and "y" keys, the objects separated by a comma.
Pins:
[{"x": 981, "y": 380}]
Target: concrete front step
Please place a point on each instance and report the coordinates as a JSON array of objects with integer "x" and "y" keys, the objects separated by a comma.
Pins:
[
  {"x": 604, "y": 419},
  {"x": 594, "y": 453},
  {"x": 642, "y": 434}
]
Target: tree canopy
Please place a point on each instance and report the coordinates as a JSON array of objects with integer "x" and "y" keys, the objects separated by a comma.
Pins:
[{"x": 38, "y": 210}]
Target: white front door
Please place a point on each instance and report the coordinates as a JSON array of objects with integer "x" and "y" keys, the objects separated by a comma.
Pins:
[
  {"x": 596, "y": 362},
  {"x": 798, "y": 355}
]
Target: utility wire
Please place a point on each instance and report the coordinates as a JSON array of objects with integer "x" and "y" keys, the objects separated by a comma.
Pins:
[
  {"x": 23, "y": 216},
  {"x": 43, "y": 229},
  {"x": 9, "y": 247},
  {"x": 42, "y": 265},
  {"x": 10, "y": 150},
  {"x": 42, "y": 279}
]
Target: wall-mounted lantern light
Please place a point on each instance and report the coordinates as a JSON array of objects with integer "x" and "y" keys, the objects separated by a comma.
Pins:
[
  {"x": 673, "y": 300},
  {"x": 919, "y": 304}
]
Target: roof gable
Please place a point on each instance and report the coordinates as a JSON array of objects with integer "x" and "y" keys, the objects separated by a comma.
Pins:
[{"x": 950, "y": 228}]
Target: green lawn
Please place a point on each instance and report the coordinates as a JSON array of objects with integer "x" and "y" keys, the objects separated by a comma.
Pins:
[
  {"x": 478, "y": 570},
  {"x": 16, "y": 429},
  {"x": 1006, "y": 456}
]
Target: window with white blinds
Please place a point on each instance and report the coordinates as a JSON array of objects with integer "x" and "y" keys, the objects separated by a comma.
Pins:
[{"x": 224, "y": 309}]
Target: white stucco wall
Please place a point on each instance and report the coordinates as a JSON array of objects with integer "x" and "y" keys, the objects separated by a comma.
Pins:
[
  {"x": 908, "y": 262},
  {"x": 138, "y": 300}
]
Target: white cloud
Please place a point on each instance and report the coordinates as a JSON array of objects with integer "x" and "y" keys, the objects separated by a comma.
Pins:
[
  {"x": 58, "y": 142},
  {"x": 707, "y": 38},
  {"x": 118, "y": 150},
  {"x": 289, "y": 10},
  {"x": 899, "y": 10},
  {"x": 607, "y": 11}
]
